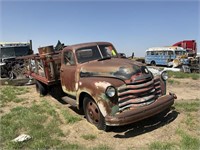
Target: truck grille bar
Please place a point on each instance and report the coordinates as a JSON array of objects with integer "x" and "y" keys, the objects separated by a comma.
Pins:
[{"x": 139, "y": 93}]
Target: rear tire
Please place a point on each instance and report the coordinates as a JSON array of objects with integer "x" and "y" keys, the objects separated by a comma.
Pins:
[
  {"x": 41, "y": 88},
  {"x": 93, "y": 114},
  {"x": 56, "y": 91},
  {"x": 153, "y": 63}
]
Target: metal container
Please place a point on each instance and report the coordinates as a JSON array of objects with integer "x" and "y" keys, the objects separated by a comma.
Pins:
[{"x": 45, "y": 50}]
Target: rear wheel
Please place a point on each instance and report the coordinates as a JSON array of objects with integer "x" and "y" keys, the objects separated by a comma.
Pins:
[
  {"x": 93, "y": 114},
  {"x": 153, "y": 63},
  {"x": 56, "y": 91},
  {"x": 41, "y": 88}
]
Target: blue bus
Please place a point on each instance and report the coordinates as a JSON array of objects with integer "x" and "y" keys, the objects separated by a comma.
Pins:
[{"x": 164, "y": 55}]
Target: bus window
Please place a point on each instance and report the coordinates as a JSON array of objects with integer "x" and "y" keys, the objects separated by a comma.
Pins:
[
  {"x": 164, "y": 53},
  {"x": 160, "y": 53},
  {"x": 179, "y": 53},
  {"x": 170, "y": 52}
]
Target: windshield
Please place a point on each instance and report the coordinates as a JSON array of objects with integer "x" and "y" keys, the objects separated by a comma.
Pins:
[
  {"x": 95, "y": 53},
  {"x": 8, "y": 52}
]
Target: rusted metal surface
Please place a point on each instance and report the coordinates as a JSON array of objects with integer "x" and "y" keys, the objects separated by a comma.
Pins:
[
  {"x": 93, "y": 112},
  {"x": 44, "y": 67},
  {"x": 133, "y": 115},
  {"x": 45, "y": 50},
  {"x": 10, "y": 67},
  {"x": 138, "y": 93}
]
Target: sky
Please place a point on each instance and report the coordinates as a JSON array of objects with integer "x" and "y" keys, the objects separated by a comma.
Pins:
[{"x": 130, "y": 25}]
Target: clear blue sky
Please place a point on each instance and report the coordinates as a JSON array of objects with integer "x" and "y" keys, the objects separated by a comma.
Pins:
[{"x": 129, "y": 25}]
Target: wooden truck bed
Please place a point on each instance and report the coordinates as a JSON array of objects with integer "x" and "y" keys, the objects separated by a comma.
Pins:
[{"x": 44, "y": 66}]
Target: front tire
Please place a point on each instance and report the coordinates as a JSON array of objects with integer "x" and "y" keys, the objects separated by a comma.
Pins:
[{"x": 93, "y": 114}]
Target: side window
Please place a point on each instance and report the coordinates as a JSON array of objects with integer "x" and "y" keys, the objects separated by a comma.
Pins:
[
  {"x": 170, "y": 53},
  {"x": 152, "y": 53},
  {"x": 69, "y": 58},
  {"x": 165, "y": 53},
  {"x": 87, "y": 54}
]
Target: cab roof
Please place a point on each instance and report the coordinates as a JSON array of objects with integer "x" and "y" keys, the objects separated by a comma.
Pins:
[{"x": 81, "y": 45}]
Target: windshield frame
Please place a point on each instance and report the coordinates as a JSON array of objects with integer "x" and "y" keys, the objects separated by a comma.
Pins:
[{"x": 95, "y": 52}]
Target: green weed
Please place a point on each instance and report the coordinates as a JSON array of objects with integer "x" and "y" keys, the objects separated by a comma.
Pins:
[
  {"x": 194, "y": 105},
  {"x": 39, "y": 121},
  {"x": 189, "y": 120},
  {"x": 9, "y": 93},
  {"x": 102, "y": 147},
  {"x": 194, "y": 76},
  {"x": 70, "y": 146},
  {"x": 188, "y": 141},
  {"x": 171, "y": 81},
  {"x": 69, "y": 117},
  {"x": 161, "y": 146},
  {"x": 89, "y": 137}
]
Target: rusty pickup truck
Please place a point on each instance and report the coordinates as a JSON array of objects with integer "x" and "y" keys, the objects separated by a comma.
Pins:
[{"x": 111, "y": 91}]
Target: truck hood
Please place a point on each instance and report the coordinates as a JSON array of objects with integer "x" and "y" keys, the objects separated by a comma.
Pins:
[{"x": 114, "y": 67}]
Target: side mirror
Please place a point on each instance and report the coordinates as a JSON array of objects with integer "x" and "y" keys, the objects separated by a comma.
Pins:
[
  {"x": 122, "y": 55},
  {"x": 132, "y": 54}
]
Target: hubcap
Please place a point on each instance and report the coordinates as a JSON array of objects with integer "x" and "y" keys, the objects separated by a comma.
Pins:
[{"x": 93, "y": 113}]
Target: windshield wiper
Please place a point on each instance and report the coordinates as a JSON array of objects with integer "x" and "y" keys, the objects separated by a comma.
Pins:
[{"x": 104, "y": 58}]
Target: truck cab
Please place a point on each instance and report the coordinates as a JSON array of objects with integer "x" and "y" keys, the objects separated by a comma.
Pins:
[{"x": 111, "y": 90}]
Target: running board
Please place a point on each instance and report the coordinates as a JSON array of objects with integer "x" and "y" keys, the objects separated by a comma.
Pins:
[{"x": 69, "y": 100}]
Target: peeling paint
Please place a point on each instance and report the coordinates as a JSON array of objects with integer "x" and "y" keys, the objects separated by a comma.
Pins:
[
  {"x": 76, "y": 86},
  {"x": 115, "y": 109},
  {"x": 69, "y": 92},
  {"x": 102, "y": 108},
  {"x": 102, "y": 84}
]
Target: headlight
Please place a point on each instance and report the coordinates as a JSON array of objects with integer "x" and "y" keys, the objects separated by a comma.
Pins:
[
  {"x": 110, "y": 91},
  {"x": 164, "y": 75}
]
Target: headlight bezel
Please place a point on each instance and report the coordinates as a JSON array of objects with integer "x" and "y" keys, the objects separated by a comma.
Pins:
[
  {"x": 164, "y": 75},
  {"x": 110, "y": 91}
]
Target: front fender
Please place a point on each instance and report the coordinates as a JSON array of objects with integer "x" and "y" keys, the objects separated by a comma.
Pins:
[{"x": 95, "y": 87}]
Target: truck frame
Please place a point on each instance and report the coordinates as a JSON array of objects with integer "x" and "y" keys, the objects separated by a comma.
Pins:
[{"x": 112, "y": 91}]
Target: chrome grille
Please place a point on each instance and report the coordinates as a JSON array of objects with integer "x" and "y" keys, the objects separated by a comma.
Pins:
[{"x": 138, "y": 93}]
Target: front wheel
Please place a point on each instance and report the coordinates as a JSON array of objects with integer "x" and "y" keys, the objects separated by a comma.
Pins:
[{"x": 93, "y": 114}]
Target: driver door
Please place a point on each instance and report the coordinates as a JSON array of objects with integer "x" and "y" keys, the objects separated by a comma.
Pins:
[{"x": 68, "y": 73}]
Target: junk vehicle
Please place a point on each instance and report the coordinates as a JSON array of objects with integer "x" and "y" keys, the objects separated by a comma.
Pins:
[
  {"x": 111, "y": 91},
  {"x": 165, "y": 55},
  {"x": 192, "y": 56},
  {"x": 10, "y": 66},
  {"x": 189, "y": 45}
]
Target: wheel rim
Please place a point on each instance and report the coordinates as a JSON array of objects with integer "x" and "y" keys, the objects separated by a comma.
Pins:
[{"x": 93, "y": 113}]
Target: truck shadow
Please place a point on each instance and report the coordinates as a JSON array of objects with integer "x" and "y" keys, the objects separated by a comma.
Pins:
[
  {"x": 146, "y": 125},
  {"x": 137, "y": 128},
  {"x": 59, "y": 96}
]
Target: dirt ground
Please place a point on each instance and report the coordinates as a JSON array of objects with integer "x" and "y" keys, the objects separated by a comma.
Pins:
[{"x": 135, "y": 136}]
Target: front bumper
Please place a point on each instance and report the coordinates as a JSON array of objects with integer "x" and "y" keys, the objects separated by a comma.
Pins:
[{"x": 134, "y": 115}]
